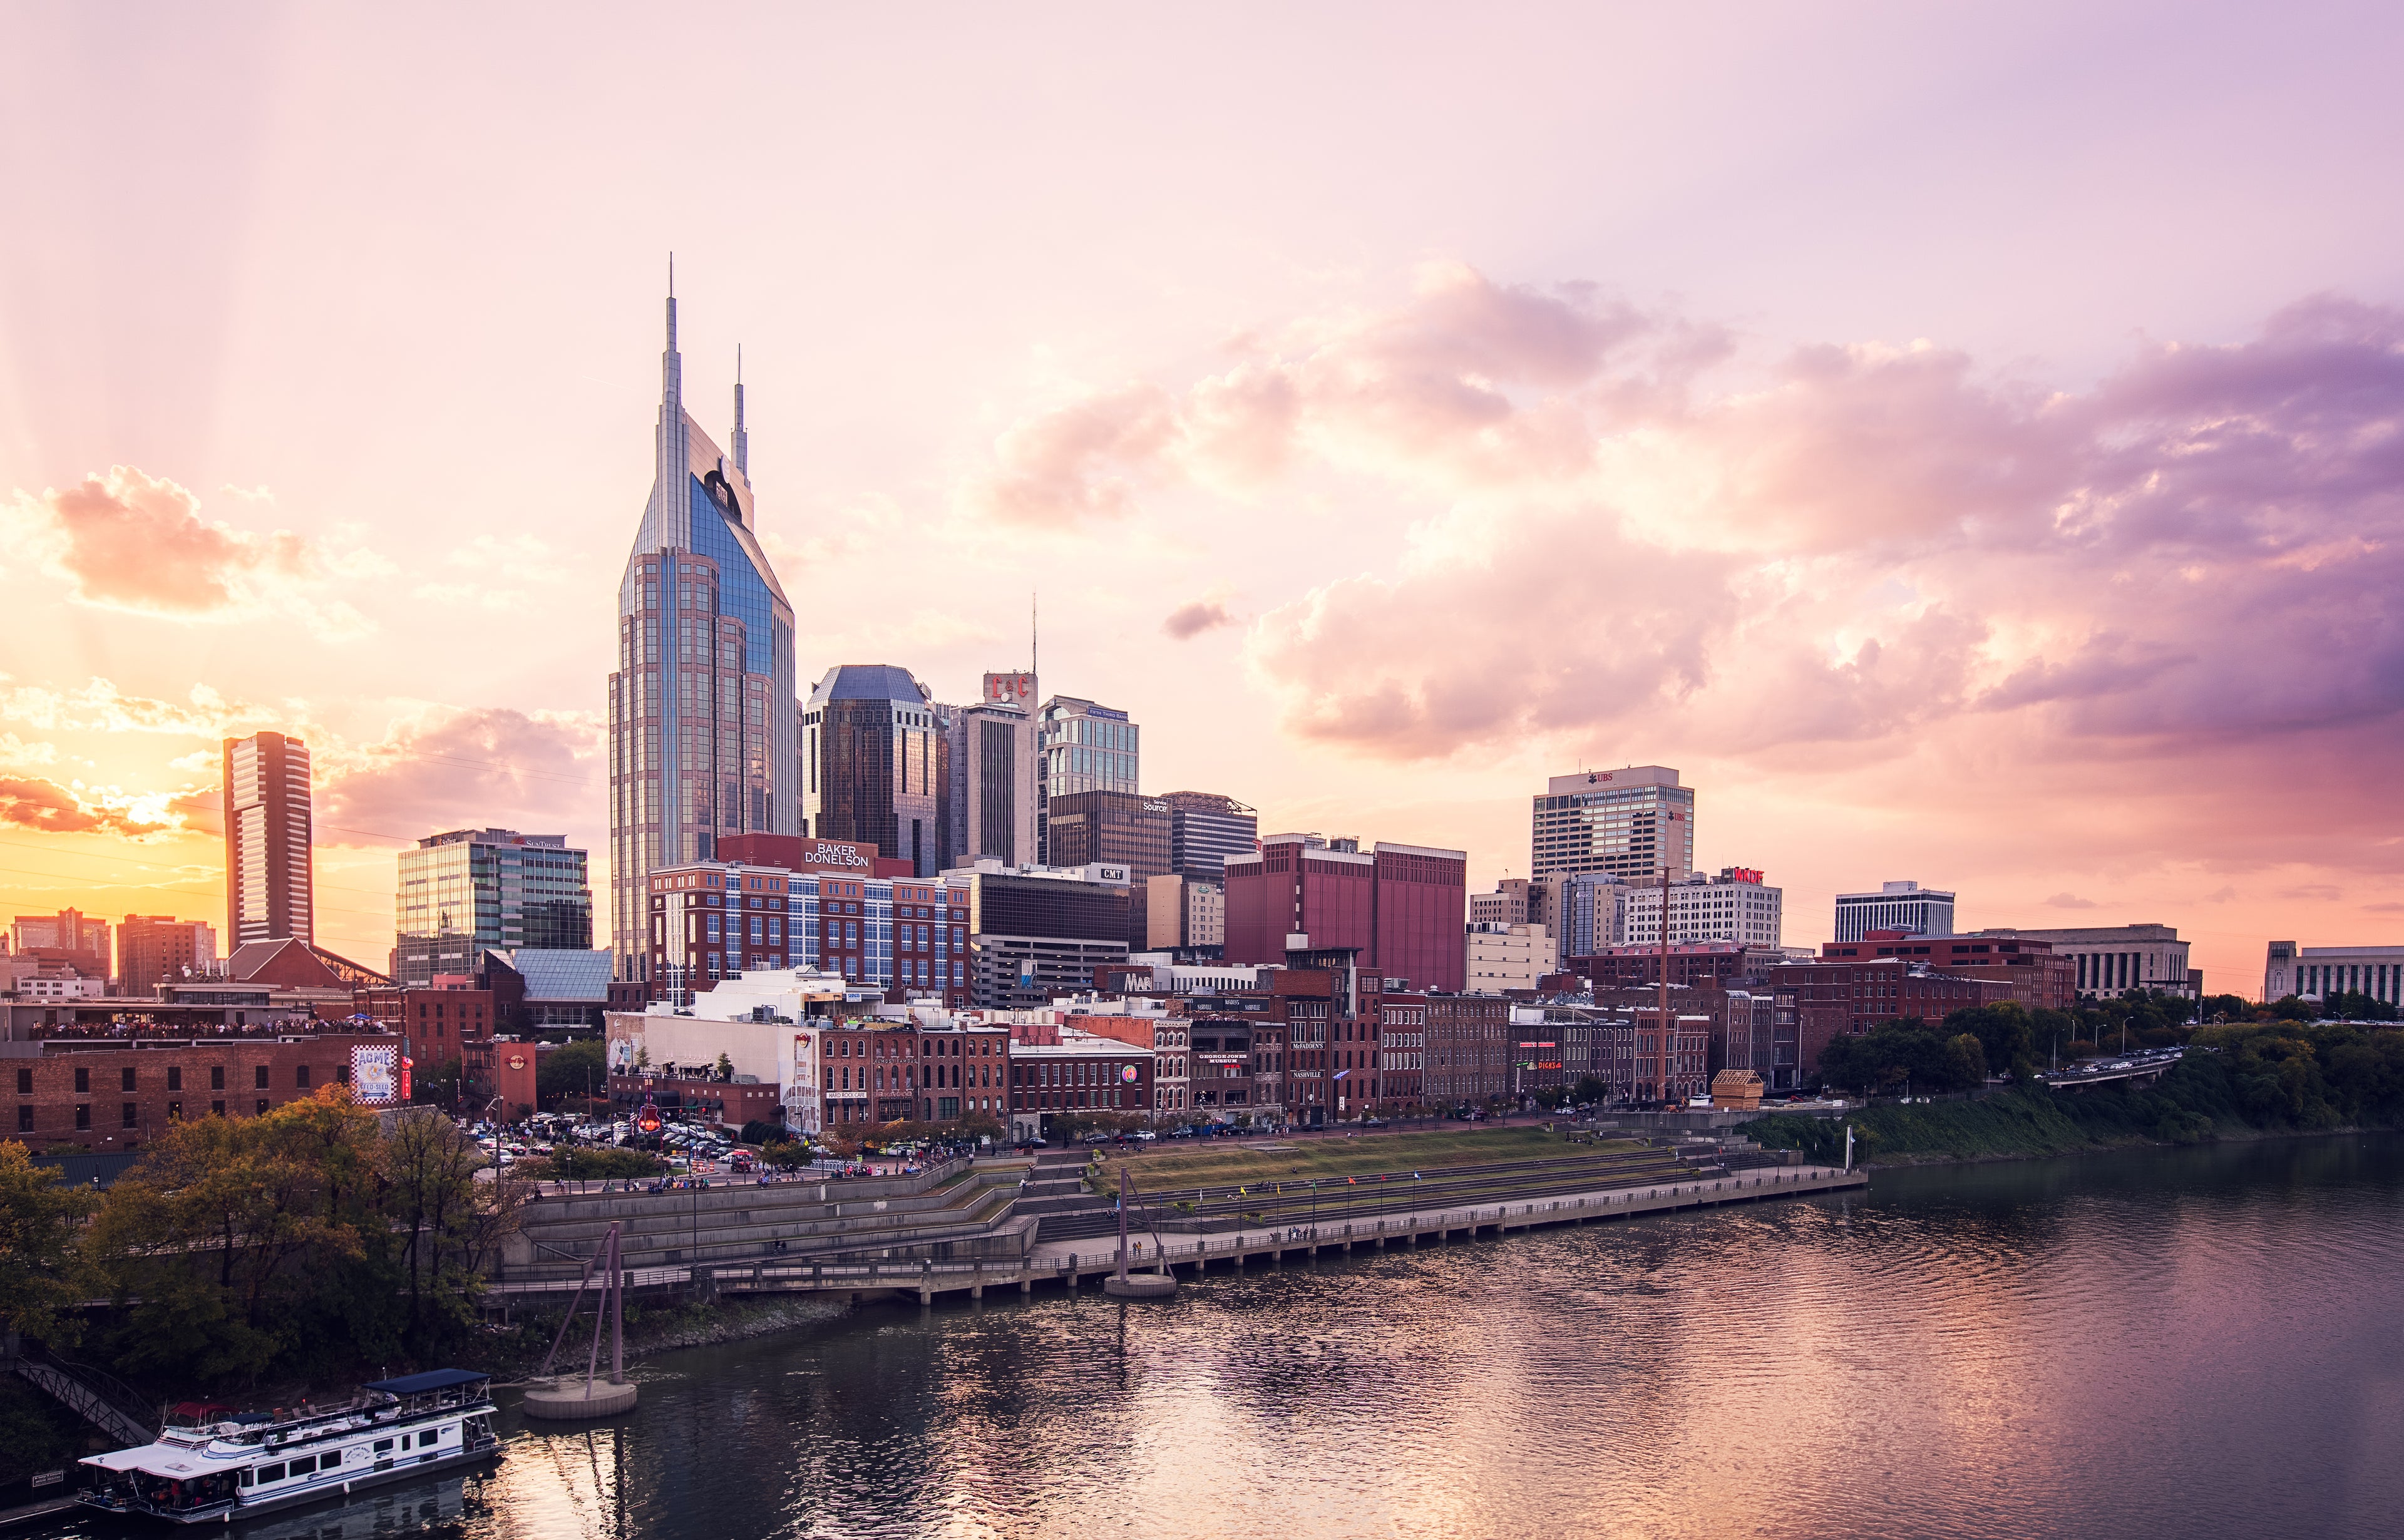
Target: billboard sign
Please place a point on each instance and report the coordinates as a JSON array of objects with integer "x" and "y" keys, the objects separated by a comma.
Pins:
[{"x": 376, "y": 1074}]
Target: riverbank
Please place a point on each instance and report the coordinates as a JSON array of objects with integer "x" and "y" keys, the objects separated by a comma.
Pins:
[
  {"x": 515, "y": 1351},
  {"x": 2193, "y": 1106}
]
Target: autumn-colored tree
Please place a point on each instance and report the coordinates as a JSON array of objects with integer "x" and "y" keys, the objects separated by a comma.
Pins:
[{"x": 38, "y": 1218}]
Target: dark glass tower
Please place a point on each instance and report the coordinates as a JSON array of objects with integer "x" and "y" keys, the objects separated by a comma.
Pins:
[{"x": 701, "y": 706}]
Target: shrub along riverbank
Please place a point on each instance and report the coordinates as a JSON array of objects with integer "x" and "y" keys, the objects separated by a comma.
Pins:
[{"x": 2236, "y": 1081}]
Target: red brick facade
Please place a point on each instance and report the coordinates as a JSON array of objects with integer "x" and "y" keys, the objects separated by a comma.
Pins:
[{"x": 113, "y": 1095}]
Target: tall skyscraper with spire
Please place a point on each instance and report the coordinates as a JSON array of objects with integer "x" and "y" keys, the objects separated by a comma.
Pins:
[{"x": 702, "y": 715}]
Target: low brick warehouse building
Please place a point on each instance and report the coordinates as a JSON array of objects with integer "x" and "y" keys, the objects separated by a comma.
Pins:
[{"x": 111, "y": 1094}]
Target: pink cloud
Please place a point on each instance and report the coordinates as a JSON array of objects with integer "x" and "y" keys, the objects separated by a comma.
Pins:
[
  {"x": 46, "y": 806},
  {"x": 539, "y": 772},
  {"x": 1188, "y": 620},
  {"x": 136, "y": 541}
]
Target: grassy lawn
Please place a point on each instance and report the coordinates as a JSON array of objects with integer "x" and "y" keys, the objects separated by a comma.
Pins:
[{"x": 1225, "y": 1162}]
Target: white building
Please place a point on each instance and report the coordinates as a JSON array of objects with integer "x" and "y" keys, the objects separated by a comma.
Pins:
[
  {"x": 1171, "y": 977},
  {"x": 763, "y": 1023},
  {"x": 1897, "y": 906},
  {"x": 2316, "y": 973},
  {"x": 1507, "y": 957},
  {"x": 1735, "y": 905},
  {"x": 1629, "y": 822},
  {"x": 2119, "y": 959}
]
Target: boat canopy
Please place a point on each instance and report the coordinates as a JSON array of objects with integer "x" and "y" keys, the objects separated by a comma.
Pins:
[
  {"x": 174, "y": 1461},
  {"x": 432, "y": 1379}
]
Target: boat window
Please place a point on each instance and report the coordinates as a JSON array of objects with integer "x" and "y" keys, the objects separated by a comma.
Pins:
[
  {"x": 427, "y": 1439},
  {"x": 270, "y": 1473},
  {"x": 383, "y": 1445},
  {"x": 246, "y": 1477},
  {"x": 307, "y": 1463}
]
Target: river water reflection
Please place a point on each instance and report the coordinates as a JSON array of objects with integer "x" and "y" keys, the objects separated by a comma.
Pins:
[{"x": 2198, "y": 1343}]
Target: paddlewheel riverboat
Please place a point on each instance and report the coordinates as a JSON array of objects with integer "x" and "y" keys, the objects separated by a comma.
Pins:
[{"x": 392, "y": 1430}]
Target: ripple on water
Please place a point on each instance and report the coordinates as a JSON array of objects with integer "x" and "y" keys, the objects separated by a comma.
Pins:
[{"x": 2193, "y": 1342}]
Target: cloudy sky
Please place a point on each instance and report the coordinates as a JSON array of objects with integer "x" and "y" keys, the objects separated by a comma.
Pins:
[{"x": 1964, "y": 441}]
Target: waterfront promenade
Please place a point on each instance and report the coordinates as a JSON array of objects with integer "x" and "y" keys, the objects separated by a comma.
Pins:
[{"x": 1066, "y": 1263}]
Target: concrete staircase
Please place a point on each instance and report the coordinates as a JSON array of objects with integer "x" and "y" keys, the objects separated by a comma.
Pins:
[
  {"x": 958, "y": 1211},
  {"x": 1216, "y": 1209}
]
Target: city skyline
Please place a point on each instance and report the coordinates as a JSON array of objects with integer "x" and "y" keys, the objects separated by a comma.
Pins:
[{"x": 1294, "y": 493}]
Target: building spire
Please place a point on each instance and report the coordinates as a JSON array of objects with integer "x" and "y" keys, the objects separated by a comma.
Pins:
[
  {"x": 671, "y": 364},
  {"x": 742, "y": 440}
]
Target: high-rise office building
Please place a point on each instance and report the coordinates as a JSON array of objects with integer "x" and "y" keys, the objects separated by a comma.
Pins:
[
  {"x": 877, "y": 763},
  {"x": 702, "y": 715},
  {"x": 1897, "y": 906},
  {"x": 1629, "y": 823},
  {"x": 1205, "y": 829},
  {"x": 991, "y": 806},
  {"x": 1084, "y": 747},
  {"x": 270, "y": 865},
  {"x": 1112, "y": 826},
  {"x": 470, "y": 889},
  {"x": 155, "y": 949}
]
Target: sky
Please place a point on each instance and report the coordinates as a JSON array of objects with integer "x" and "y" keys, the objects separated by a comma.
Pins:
[{"x": 1963, "y": 440}]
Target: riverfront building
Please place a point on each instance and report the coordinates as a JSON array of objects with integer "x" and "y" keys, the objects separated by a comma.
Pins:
[
  {"x": 270, "y": 867},
  {"x": 702, "y": 715},
  {"x": 2316, "y": 973}
]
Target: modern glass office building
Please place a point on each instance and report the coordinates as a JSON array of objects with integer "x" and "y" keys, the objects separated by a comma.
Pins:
[
  {"x": 470, "y": 889},
  {"x": 702, "y": 719},
  {"x": 1083, "y": 748},
  {"x": 876, "y": 764}
]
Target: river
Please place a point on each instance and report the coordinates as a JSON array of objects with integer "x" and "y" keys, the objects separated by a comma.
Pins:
[{"x": 2195, "y": 1342}]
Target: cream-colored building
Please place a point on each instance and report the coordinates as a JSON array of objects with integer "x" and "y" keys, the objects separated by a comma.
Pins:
[
  {"x": 1507, "y": 956},
  {"x": 1182, "y": 913}
]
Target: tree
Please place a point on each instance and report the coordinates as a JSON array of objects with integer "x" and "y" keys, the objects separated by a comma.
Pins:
[
  {"x": 724, "y": 1069},
  {"x": 571, "y": 1071},
  {"x": 1968, "y": 1062},
  {"x": 2005, "y": 1034},
  {"x": 446, "y": 1221},
  {"x": 38, "y": 1219}
]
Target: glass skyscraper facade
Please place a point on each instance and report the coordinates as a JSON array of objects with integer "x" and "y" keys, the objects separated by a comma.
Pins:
[
  {"x": 702, "y": 721},
  {"x": 877, "y": 763},
  {"x": 1082, "y": 748},
  {"x": 470, "y": 890}
]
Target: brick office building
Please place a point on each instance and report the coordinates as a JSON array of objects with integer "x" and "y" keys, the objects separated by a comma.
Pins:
[
  {"x": 1075, "y": 1073},
  {"x": 115, "y": 1094},
  {"x": 1398, "y": 907},
  {"x": 1401, "y": 1064},
  {"x": 2040, "y": 977},
  {"x": 1643, "y": 1063},
  {"x": 1468, "y": 1053},
  {"x": 1692, "y": 965},
  {"x": 1853, "y": 995}
]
